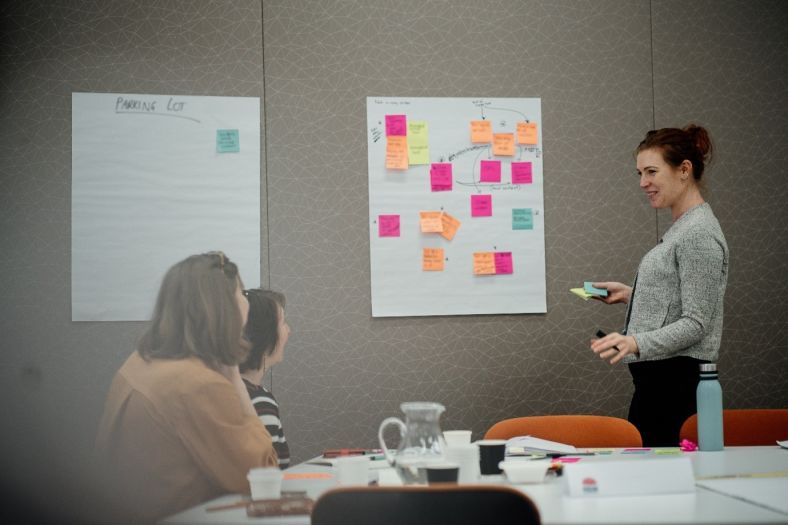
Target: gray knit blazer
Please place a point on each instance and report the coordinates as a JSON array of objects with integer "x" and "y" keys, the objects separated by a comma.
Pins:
[{"x": 676, "y": 304}]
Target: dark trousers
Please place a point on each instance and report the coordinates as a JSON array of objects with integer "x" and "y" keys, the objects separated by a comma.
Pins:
[{"x": 664, "y": 398}]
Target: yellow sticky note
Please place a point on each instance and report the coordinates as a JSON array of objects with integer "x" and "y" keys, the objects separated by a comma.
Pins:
[
  {"x": 483, "y": 263},
  {"x": 432, "y": 260},
  {"x": 397, "y": 152},
  {"x": 503, "y": 144},
  {"x": 581, "y": 293},
  {"x": 418, "y": 142},
  {"x": 481, "y": 131},
  {"x": 450, "y": 226},
  {"x": 430, "y": 221},
  {"x": 526, "y": 133}
]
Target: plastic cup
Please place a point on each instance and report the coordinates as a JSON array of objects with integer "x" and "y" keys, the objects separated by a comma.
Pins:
[
  {"x": 491, "y": 453},
  {"x": 525, "y": 471},
  {"x": 265, "y": 483},
  {"x": 457, "y": 437},
  {"x": 442, "y": 473},
  {"x": 352, "y": 470}
]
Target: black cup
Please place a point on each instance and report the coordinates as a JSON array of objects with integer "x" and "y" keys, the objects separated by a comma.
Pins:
[
  {"x": 443, "y": 473},
  {"x": 491, "y": 452}
]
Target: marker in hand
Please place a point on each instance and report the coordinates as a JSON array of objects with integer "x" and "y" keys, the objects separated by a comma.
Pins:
[{"x": 600, "y": 334}]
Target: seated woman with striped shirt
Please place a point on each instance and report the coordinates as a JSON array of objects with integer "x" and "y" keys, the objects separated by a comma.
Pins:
[{"x": 267, "y": 331}]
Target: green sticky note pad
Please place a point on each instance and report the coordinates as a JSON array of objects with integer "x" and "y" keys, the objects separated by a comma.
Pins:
[
  {"x": 522, "y": 219},
  {"x": 227, "y": 141}
]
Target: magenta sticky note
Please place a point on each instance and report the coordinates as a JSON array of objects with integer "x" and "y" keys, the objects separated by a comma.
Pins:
[
  {"x": 491, "y": 171},
  {"x": 440, "y": 176},
  {"x": 388, "y": 225},
  {"x": 481, "y": 205},
  {"x": 503, "y": 262},
  {"x": 522, "y": 173},
  {"x": 396, "y": 125}
]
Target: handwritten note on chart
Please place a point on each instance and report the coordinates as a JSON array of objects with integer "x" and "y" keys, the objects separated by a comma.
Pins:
[
  {"x": 430, "y": 221},
  {"x": 418, "y": 143},
  {"x": 432, "y": 260},
  {"x": 490, "y": 171},
  {"x": 396, "y": 125},
  {"x": 481, "y": 132},
  {"x": 522, "y": 173},
  {"x": 388, "y": 225},
  {"x": 397, "y": 153},
  {"x": 440, "y": 176},
  {"x": 450, "y": 226},
  {"x": 526, "y": 133},
  {"x": 481, "y": 205}
]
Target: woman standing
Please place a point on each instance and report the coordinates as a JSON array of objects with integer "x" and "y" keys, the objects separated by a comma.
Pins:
[
  {"x": 178, "y": 426},
  {"x": 268, "y": 332},
  {"x": 675, "y": 312}
]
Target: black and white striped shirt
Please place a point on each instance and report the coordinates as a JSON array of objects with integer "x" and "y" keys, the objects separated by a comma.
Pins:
[{"x": 268, "y": 411}]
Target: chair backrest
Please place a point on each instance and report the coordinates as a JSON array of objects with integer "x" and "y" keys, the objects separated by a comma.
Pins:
[
  {"x": 578, "y": 430},
  {"x": 745, "y": 427},
  {"x": 428, "y": 505}
]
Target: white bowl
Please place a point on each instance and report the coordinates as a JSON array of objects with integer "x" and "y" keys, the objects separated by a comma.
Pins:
[{"x": 525, "y": 471}]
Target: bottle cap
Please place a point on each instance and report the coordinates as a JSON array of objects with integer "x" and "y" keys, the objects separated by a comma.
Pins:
[{"x": 708, "y": 367}]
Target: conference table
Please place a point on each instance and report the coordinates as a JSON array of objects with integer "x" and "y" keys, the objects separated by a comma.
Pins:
[{"x": 737, "y": 485}]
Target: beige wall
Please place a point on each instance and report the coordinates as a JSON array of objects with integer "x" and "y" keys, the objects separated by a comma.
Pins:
[{"x": 606, "y": 71}]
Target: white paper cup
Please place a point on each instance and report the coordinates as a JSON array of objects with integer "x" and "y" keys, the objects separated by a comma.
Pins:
[
  {"x": 352, "y": 470},
  {"x": 265, "y": 483},
  {"x": 467, "y": 457},
  {"x": 457, "y": 437}
]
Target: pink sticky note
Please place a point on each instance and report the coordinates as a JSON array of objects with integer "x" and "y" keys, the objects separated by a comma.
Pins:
[
  {"x": 564, "y": 459},
  {"x": 481, "y": 205},
  {"x": 396, "y": 125},
  {"x": 491, "y": 171},
  {"x": 521, "y": 173},
  {"x": 440, "y": 176},
  {"x": 388, "y": 225},
  {"x": 503, "y": 262}
]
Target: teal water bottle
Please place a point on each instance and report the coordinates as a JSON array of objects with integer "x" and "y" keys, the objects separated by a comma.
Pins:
[{"x": 709, "y": 398}]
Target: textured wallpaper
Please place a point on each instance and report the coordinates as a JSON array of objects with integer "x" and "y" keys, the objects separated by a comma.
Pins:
[{"x": 606, "y": 71}]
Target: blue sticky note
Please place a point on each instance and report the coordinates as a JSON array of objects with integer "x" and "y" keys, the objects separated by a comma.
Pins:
[
  {"x": 522, "y": 219},
  {"x": 594, "y": 291},
  {"x": 227, "y": 141}
]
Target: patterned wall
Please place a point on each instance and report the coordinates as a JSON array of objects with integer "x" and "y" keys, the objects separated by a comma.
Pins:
[{"x": 606, "y": 70}]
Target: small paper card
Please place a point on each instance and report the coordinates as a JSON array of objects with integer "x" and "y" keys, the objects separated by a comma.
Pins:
[
  {"x": 589, "y": 289},
  {"x": 634, "y": 476}
]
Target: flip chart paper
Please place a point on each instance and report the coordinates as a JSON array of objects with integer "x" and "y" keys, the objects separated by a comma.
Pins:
[
  {"x": 503, "y": 144},
  {"x": 484, "y": 263},
  {"x": 522, "y": 173},
  {"x": 418, "y": 143},
  {"x": 430, "y": 221},
  {"x": 481, "y": 205},
  {"x": 490, "y": 171},
  {"x": 450, "y": 226},
  {"x": 526, "y": 133},
  {"x": 440, "y": 176},
  {"x": 388, "y": 225},
  {"x": 481, "y": 131},
  {"x": 432, "y": 260},
  {"x": 397, "y": 153},
  {"x": 522, "y": 219},
  {"x": 396, "y": 125}
]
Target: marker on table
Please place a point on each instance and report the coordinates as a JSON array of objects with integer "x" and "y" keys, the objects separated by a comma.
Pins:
[{"x": 600, "y": 334}]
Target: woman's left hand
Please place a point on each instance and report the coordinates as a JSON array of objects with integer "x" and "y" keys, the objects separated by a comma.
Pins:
[{"x": 614, "y": 347}]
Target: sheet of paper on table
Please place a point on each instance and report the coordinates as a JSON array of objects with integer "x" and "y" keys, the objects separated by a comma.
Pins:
[{"x": 530, "y": 445}]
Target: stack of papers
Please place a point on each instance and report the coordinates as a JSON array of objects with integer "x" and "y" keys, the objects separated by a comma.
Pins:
[{"x": 533, "y": 445}]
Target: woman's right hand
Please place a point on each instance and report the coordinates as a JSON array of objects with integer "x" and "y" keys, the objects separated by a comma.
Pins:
[{"x": 616, "y": 292}]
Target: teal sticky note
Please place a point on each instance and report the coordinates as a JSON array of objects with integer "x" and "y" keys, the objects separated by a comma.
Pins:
[
  {"x": 227, "y": 141},
  {"x": 589, "y": 288},
  {"x": 522, "y": 219}
]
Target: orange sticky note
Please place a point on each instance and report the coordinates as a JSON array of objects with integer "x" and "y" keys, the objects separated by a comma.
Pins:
[
  {"x": 481, "y": 131},
  {"x": 450, "y": 226},
  {"x": 307, "y": 475},
  {"x": 503, "y": 144},
  {"x": 484, "y": 263},
  {"x": 430, "y": 221},
  {"x": 526, "y": 133},
  {"x": 397, "y": 152},
  {"x": 432, "y": 260}
]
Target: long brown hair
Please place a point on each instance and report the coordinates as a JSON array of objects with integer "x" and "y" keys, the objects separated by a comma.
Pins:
[
  {"x": 262, "y": 327},
  {"x": 691, "y": 143},
  {"x": 196, "y": 313}
]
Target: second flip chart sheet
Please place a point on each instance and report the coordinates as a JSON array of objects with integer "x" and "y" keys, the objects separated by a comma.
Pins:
[{"x": 456, "y": 204}]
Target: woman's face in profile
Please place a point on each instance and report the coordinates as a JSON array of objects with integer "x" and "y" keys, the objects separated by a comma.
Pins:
[
  {"x": 243, "y": 302},
  {"x": 283, "y": 330}
]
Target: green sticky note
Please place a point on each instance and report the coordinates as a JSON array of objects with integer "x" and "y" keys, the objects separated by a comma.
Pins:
[
  {"x": 227, "y": 141},
  {"x": 418, "y": 142},
  {"x": 522, "y": 219}
]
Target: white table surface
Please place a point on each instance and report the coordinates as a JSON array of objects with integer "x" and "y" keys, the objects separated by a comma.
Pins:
[{"x": 705, "y": 506}]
